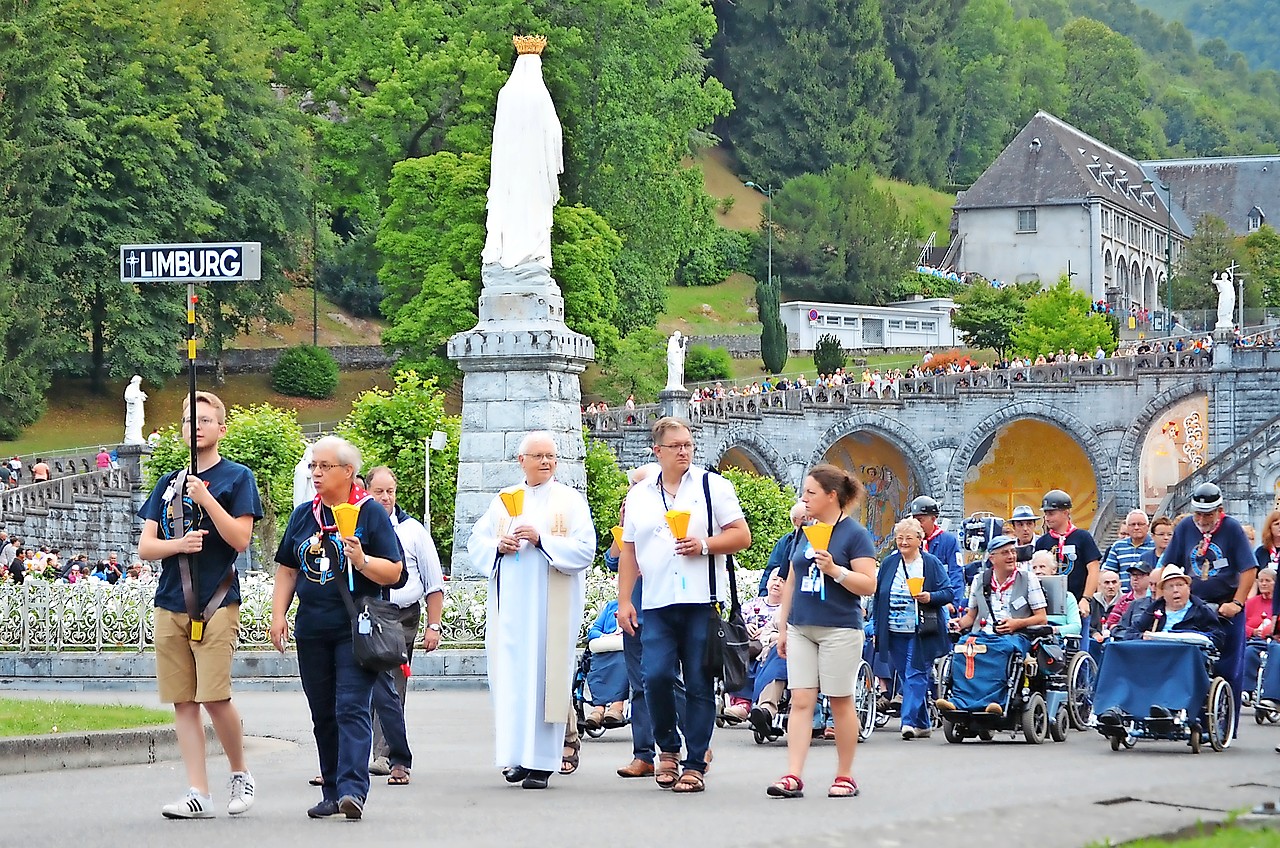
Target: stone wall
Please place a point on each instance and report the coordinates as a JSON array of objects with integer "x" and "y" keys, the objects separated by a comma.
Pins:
[
  {"x": 96, "y": 525},
  {"x": 352, "y": 357}
]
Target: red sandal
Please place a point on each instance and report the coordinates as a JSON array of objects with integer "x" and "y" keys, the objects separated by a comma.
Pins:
[
  {"x": 843, "y": 787},
  {"x": 787, "y": 786}
]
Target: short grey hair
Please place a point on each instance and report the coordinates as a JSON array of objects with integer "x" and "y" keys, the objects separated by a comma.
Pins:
[
  {"x": 909, "y": 523},
  {"x": 346, "y": 453},
  {"x": 799, "y": 511},
  {"x": 1134, "y": 512},
  {"x": 379, "y": 469},
  {"x": 1269, "y": 571},
  {"x": 535, "y": 436}
]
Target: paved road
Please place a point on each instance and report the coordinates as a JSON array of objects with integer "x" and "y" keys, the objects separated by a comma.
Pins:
[{"x": 913, "y": 792}]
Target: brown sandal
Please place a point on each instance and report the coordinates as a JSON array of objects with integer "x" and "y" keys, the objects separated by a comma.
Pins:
[
  {"x": 666, "y": 769},
  {"x": 689, "y": 782},
  {"x": 399, "y": 776},
  {"x": 570, "y": 758}
]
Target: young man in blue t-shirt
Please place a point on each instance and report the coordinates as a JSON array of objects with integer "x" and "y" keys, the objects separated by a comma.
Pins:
[{"x": 200, "y": 527}]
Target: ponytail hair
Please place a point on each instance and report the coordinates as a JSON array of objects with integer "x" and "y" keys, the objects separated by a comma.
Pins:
[{"x": 847, "y": 488}]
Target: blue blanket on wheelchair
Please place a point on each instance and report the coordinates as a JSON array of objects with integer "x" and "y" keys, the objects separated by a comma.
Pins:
[
  {"x": 1137, "y": 675},
  {"x": 980, "y": 669},
  {"x": 1271, "y": 674}
]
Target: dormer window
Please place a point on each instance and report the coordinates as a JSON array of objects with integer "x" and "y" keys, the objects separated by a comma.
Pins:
[{"x": 1256, "y": 219}]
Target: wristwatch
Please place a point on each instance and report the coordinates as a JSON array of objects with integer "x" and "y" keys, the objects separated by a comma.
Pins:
[
  {"x": 705, "y": 550},
  {"x": 435, "y": 627}
]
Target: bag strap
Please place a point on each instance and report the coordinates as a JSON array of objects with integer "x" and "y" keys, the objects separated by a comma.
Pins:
[
  {"x": 190, "y": 579},
  {"x": 735, "y": 605},
  {"x": 987, "y": 574}
]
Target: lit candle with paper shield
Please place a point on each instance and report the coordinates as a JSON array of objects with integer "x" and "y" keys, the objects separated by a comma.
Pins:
[{"x": 346, "y": 515}]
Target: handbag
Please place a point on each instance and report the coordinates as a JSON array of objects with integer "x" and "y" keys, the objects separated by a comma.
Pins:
[
  {"x": 728, "y": 652},
  {"x": 928, "y": 619},
  {"x": 377, "y": 637}
]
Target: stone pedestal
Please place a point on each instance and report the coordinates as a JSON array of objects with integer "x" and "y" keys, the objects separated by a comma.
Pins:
[
  {"x": 520, "y": 366},
  {"x": 1223, "y": 339},
  {"x": 131, "y": 458},
  {"x": 675, "y": 402}
]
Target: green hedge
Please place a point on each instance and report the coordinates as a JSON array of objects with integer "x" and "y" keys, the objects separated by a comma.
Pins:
[{"x": 306, "y": 371}]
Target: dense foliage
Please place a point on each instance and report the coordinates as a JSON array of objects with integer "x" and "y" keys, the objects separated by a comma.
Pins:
[
  {"x": 305, "y": 371},
  {"x": 606, "y": 487},
  {"x": 986, "y": 316},
  {"x": 704, "y": 364},
  {"x": 767, "y": 509},
  {"x": 773, "y": 334},
  {"x": 1062, "y": 318}
]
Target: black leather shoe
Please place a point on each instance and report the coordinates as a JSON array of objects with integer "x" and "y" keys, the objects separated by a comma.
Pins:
[
  {"x": 1112, "y": 717},
  {"x": 537, "y": 780},
  {"x": 515, "y": 774},
  {"x": 1160, "y": 713}
]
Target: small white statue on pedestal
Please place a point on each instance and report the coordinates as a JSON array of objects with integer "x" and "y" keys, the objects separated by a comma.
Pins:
[
  {"x": 1226, "y": 285},
  {"x": 134, "y": 414},
  {"x": 675, "y": 361}
]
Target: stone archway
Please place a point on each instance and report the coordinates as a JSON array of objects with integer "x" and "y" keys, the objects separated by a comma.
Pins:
[
  {"x": 1094, "y": 450},
  {"x": 744, "y": 447},
  {"x": 1129, "y": 455},
  {"x": 919, "y": 458}
]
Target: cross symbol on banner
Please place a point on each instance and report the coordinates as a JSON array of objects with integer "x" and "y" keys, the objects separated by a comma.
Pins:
[
  {"x": 970, "y": 649},
  {"x": 132, "y": 262}
]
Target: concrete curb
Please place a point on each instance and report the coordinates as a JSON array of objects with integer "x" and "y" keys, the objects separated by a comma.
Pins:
[{"x": 94, "y": 749}]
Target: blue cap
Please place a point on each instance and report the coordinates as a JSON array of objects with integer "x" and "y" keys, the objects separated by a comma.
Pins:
[
  {"x": 1023, "y": 513},
  {"x": 999, "y": 542}
]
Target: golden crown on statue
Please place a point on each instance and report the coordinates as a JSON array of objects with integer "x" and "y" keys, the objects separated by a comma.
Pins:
[{"x": 529, "y": 43}]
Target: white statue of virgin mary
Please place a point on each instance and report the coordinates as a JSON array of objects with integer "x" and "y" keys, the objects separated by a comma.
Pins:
[{"x": 526, "y": 164}]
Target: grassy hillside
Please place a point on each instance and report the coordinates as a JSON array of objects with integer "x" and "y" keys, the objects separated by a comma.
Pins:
[{"x": 336, "y": 327}]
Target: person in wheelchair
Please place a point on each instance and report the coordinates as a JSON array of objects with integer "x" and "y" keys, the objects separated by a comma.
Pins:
[
  {"x": 770, "y": 672},
  {"x": 1067, "y": 622},
  {"x": 1260, "y": 625},
  {"x": 1004, "y": 600},
  {"x": 607, "y": 672},
  {"x": 1176, "y": 610}
]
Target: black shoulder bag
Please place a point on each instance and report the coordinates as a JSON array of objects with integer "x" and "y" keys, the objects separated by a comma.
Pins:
[
  {"x": 377, "y": 637},
  {"x": 728, "y": 646}
]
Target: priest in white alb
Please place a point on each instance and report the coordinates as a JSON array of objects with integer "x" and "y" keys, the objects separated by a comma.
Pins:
[{"x": 535, "y": 542}]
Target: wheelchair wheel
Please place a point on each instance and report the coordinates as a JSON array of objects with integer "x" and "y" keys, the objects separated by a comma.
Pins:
[
  {"x": 1060, "y": 725},
  {"x": 1035, "y": 719},
  {"x": 759, "y": 737},
  {"x": 1082, "y": 674},
  {"x": 954, "y": 734},
  {"x": 1221, "y": 714},
  {"x": 865, "y": 700}
]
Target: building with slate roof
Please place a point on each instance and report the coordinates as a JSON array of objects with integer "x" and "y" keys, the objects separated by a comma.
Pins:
[
  {"x": 1241, "y": 190},
  {"x": 1058, "y": 201}
]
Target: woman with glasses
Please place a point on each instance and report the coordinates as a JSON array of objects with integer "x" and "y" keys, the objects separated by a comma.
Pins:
[
  {"x": 318, "y": 565},
  {"x": 912, "y": 587}
]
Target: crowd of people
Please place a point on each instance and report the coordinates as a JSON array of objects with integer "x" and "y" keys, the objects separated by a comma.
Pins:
[{"x": 22, "y": 560}]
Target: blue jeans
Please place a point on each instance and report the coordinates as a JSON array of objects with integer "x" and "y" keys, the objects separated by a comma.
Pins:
[
  {"x": 642, "y": 745},
  {"x": 340, "y": 694},
  {"x": 912, "y": 668},
  {"x": 674, "y": 641},
  {"x": 388, "y": 717}
]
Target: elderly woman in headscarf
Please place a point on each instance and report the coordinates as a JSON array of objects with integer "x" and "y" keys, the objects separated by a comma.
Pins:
[{"x": 318, "y": 564}]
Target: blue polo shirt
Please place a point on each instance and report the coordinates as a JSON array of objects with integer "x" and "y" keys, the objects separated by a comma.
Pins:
[{"x": 1125, "y": 553}]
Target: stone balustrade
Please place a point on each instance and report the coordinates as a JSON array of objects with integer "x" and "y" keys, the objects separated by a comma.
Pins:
[{"x": 62, "y": 491}]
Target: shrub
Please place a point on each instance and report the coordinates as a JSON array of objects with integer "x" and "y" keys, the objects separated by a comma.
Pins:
[
  {"x": 724, "y": 252},
  {"x": 707, "y": 364},
  {"x": 606, "y": 487},
  {"x": 306, "y": 371},
  {"x": 766, "y": 505},
  {"x": 828, "y": 355}
]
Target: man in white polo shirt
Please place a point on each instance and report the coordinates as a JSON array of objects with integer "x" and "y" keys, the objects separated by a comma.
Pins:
[{"x": 676, "y": 595}]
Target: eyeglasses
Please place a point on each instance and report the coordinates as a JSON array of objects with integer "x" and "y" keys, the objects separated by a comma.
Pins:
[
  {"x": 203, "y": 421},
  {"x": 323, "y": 466},
  {"x": 540, "y": 457},
  {"x": 680, "y": 447}
]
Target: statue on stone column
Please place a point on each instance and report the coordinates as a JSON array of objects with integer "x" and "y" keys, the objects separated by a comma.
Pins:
[
  {"x": 1226, "y": 286},
  {"x": 134, "y": 415},
  {"x": 675, "y": 361},
  {"x": 525, "y": 165}
]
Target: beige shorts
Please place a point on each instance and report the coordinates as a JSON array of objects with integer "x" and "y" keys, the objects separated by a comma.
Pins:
[
  {"x": 823, "y": 658},
  {"x": 195, "y": 671}
]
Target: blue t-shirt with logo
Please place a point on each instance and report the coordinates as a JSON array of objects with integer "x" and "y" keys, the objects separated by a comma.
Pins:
[
  {"x": 323, "y": 569},
  {"x": 233, "y": 486},
  {"x": 1215, "y": 575},
  {"x": 829, "y": 604},
  {"x": 1073, "y": 556}
]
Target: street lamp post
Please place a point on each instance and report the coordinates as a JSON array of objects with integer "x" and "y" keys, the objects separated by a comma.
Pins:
[{"x": 767, "y": 192}]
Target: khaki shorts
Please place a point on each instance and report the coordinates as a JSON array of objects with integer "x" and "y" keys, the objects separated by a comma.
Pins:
[
  {"x": 195, "y": 671},
  {"x": 823, "y": 658}
]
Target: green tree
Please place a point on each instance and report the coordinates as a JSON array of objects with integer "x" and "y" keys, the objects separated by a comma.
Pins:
[
  {"x": 766, "y": 505},
  {"x": 773, "y": 334},
  {"x": 828, "y": 354},
  {"x": 638, "y": 368},
  {"x": 707, "y": 364},
  {"x": 1207, "y": 253},
  {"x": 986, "y": 45},
  {"x": 1105, "y": 89},
  {"x": 1262, "y": 263},
  {"x": 586, "y": 249},
  {"x": 262, "y": 437},
  {"x": 812, "y": 83},
  {"x": 838, "y": 237},
  {"x": 392, "y": 428},
  {"x": 606, "y": 487},
  {"x": 1061, "y": 318},
  {"x": 987, "y": 316},
  {"x": 305, "y": 371}
]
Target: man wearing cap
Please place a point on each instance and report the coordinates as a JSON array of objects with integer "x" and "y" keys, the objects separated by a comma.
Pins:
[
  {"x": 941, "y": 544},
  {"x": 1004, "y": 599},
  {"x": 1023, "y": 524},
  {"x": 1132, "y": 547},
  {"x": 1214, "y": 552},
  {"x": 1122, "y": 622},
  {"x": 1074, "y": 548}
]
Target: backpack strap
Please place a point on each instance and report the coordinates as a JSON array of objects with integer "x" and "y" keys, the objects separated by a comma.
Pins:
[{"x": 734, "y": 603}]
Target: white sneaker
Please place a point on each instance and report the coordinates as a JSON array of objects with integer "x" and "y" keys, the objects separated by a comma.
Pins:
[
  {"x": 193, "y": 805},
  {"x": 923, "y": 732},
  {"x": 241, "y": 786},
  {"x": 908, "y": 732}
]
